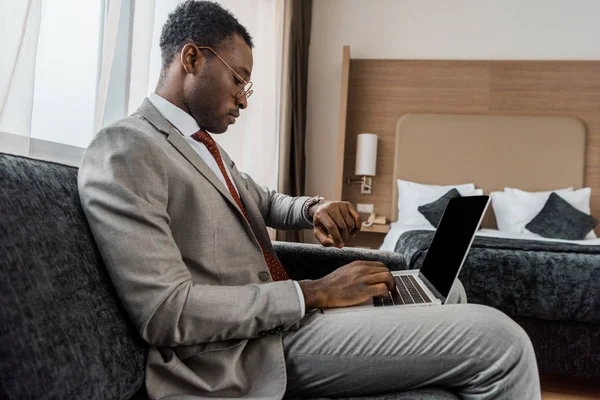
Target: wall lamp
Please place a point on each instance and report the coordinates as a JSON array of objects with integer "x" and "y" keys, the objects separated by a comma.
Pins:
[{"x": 366, "y": 160}]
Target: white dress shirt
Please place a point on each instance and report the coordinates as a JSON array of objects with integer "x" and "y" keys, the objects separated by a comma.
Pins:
[{"x": 187, "y": 126}]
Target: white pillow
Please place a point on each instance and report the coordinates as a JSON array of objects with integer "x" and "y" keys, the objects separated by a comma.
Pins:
[
  {"x": 514, "y": 209},
  {"x": 545, "y": 194},
  {"x": 507, "y": 208},
  {"x": 501, "y": 203},
  {"x": 411, "y": 195},
  {"x": 579, "y": 199},
  {"x": 474, "y": 192}
]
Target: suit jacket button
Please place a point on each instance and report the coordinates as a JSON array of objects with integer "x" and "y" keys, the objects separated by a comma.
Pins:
[{"x": 263, "y": 276}]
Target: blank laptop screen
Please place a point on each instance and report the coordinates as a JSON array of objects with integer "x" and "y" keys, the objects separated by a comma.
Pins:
[{"x": 451, "y": 241}]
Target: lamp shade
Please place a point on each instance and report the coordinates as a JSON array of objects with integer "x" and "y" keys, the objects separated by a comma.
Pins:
[{"x": 366, "y": 154}]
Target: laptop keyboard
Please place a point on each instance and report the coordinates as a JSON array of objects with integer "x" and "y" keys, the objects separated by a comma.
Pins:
[{"x": 407, "y": 291}]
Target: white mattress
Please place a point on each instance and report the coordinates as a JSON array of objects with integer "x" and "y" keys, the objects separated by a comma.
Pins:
[{"x": 396, "y": 230}]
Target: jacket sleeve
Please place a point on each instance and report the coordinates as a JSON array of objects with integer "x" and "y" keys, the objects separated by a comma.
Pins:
[
  {"x": 279, "y": 211},
  {"x": 123, "y": 187}
]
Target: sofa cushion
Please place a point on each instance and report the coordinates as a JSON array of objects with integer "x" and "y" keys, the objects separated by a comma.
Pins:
[{"x": 64, "y": 334}]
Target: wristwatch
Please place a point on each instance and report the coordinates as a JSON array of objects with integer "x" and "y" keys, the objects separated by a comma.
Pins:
[{"x": 308, "y": 204}]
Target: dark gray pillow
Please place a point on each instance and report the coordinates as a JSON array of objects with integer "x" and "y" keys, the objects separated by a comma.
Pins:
[
  {"x": 560, "y": 220},
  {"x": 433, "y": 211}
]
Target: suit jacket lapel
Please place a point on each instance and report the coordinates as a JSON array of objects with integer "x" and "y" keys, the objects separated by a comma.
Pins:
[
  {"x": 174, "y": 137},
  {"x": 256, "y": 218}
]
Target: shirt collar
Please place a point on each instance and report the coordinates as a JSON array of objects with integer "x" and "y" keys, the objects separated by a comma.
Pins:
[{"x": 181, "y": 120}]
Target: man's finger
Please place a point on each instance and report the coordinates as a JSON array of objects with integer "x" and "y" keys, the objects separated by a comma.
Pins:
[
  {"x": 356, "y": 216},
  {"x": 389, "y": 281},
  {"x": 323, "y": 238},
  {"x": 330, "y": 228},
  {"x": 379, "y": 290},
  {"x": 348, "y": 219},
  {"x": 340, "y": 222},
  {"x": 382, "y": 277}
]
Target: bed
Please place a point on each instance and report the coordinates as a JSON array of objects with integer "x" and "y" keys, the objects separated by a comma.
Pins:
[{"x": 550, "y": 286}]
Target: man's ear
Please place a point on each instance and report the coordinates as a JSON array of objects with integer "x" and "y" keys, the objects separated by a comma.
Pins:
[{"x": 191, "y": 59}]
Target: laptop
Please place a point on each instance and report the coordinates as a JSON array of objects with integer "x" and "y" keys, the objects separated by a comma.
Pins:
[{"x": 431, "y": 284}]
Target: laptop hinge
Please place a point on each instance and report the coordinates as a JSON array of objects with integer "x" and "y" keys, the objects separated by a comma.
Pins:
[{"x": 432, "y": 288}]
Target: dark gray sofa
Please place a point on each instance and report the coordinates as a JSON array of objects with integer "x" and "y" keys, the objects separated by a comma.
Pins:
[{"x": 63, "y": 332}]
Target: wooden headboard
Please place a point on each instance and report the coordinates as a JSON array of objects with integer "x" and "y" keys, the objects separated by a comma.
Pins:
[
  {"x": 530, "y": 153},
  {"x": 377, "y": 93}
]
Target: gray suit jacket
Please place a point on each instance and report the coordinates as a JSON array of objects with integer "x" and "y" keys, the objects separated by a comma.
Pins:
[{"x": 186, "y": 263}]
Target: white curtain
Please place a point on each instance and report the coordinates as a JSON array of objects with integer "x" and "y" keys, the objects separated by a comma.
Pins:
[
  {"x": 69, "y": 67},
  {"x": 48, "y": 76},
  {"x": 19, "y": 33},
  {"x": 142, "y": 36},
  {"x": 252, "y": 141},
  {"x": 109, "y": 45}
]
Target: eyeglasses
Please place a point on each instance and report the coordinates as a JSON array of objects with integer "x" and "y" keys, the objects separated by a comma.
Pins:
[{"x": 246, "y": 90}]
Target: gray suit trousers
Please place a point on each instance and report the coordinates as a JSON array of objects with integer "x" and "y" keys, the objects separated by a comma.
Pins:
[{"x": 473, "y": 350}]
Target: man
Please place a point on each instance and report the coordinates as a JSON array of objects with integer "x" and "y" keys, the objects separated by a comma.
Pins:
[{"x": 183, "y": 235}]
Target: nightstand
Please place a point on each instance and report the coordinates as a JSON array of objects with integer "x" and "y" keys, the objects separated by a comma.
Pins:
[
  {"x": 369, "y": 236},
  {"x": 376, "y": 228}
]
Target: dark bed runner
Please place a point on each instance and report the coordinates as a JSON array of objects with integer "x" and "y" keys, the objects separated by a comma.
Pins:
[{"x": 420, "y": 240}]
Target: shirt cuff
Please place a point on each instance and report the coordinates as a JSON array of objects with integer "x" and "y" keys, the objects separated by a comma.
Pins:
[{"x": 301, "y": 296}]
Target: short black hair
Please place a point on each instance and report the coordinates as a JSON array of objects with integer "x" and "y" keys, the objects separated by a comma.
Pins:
[{"x": 204, "y": 23}]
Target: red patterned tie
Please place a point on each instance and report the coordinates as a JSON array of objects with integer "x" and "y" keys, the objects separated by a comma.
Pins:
[{"x": 277, "y": 271}]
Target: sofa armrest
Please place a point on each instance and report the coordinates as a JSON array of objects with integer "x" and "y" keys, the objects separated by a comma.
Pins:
[{"x": 311, "y": 261}]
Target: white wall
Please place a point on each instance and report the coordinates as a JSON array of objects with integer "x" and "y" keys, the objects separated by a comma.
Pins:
[{"x": 430, "y": 29}]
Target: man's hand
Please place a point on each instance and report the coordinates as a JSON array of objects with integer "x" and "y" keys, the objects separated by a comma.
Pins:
[
  {"x": 335, "y": 222},
  {"x": 348, "y": 285}
]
